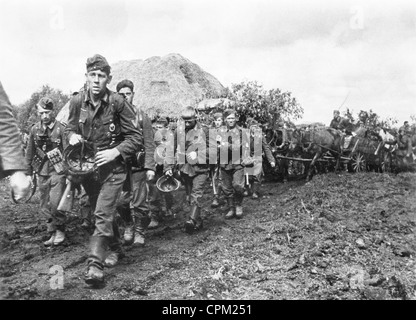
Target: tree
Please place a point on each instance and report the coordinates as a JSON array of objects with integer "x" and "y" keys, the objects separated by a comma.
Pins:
[
  {"x": 266, "y": 106},
  {"x": 26, "y": 114}
]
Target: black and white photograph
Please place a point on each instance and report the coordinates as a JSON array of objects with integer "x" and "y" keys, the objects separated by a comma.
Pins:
[{"x": 217, "y": 152}]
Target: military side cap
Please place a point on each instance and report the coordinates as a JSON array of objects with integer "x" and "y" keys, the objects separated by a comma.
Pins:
[
  {"x": 218, "y": 115},
  {"x": 228, "y": 112},
  {"x": 162, "y": 120},
  {"x": 98, "y": 62},
  {"x": 45, "y": 103},
  {"x": 125, "y": 84}
]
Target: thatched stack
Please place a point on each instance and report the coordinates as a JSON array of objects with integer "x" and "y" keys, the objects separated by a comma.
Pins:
[{"x": 166, "y": 85}]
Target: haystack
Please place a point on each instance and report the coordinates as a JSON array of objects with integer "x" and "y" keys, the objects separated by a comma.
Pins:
[{"x": 166, "y": 85}]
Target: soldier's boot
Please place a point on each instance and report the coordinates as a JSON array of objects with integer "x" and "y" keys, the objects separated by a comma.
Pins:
[
  {"x": 95, "y": 275},
  {"x": 141, "y": 224},
  {"x": 255, "y": 191},
  {"x": 86, "y": 218},
  {"x": 194, "y": 223},
  {"x": 231, "y": 209},
  {"x": 238, "y": 211},
  {"x": 115, "y": 255},
  {"x": 49, "y": 242},
  {"x": 215, "y": 203},
  {"x": 59, "y": 237},
  {"x": 153, "y": 223},
  {"x": 129, "y": 234}
]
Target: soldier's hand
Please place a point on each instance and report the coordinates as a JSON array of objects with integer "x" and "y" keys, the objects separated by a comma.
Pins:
[
  {"x": 150, "y": 175},
  {"x": 169, "y": 173},
  {"x": 75, "y": 139},
  {"x": 20, "y": 184},
  {"x": 105, "y": 156},
  {"x": 272, "y": 164}
]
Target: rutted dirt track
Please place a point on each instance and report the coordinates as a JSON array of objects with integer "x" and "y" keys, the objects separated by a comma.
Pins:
[{"x": 340, "y": 236}]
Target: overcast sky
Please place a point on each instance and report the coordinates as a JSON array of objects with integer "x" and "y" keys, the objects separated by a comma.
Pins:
[{"x": 329, "y": 54}]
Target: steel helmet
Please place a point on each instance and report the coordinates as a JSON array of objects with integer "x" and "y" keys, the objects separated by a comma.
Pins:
[
  {"x": 80, "y": 159},
  {"x": 167, "y": 184}
]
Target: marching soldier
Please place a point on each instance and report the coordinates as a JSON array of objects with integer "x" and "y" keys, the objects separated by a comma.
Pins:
[
  {"x": 101, "y": 119},
  {"x": 136, "y": 203},
  {"x": 44, "y": 155},
  {"x": 192, "y": 160},
  {"x": 232, "y": 172},
  {"x": 218, "y": 127}
]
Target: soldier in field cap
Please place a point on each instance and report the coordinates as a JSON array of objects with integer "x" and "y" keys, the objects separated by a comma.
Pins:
[
  {"x": 44, "y": 156},
  {"x": 102, "y": 119}
]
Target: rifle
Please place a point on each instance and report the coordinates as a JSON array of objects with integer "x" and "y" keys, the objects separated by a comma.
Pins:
[{"x": 67, "y": 199}]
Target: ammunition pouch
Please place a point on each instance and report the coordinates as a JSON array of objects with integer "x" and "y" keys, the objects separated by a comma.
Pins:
[
  {"x": 38, "y": 160},
  {"x": 56, "y": 159}
]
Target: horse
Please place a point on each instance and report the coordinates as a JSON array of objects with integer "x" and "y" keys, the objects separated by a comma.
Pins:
[{"x": 315, "y": 143}]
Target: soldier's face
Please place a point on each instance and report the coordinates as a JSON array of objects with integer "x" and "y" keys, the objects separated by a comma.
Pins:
[
  {"x": 218, "y": 122},
  {"x": 190, "y": 123},
  {"x": 127, "y": 94},
  {"x": 231, "y": 121},
  {"x": 45, "y": 115},
  {"x": 97, "y": 81}
]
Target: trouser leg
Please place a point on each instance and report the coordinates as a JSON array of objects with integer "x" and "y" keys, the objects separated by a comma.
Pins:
[
  {"x": 44, "y": 188},
  {"x": 57, "y": 188},
  {"x": 238, "y": 183},
  {"x": 140, "y": 208}
]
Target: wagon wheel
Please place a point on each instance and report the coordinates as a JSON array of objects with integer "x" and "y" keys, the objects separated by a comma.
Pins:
[
  {"x": 386, "y": 163},
  {"x": 358, "y": 162}
]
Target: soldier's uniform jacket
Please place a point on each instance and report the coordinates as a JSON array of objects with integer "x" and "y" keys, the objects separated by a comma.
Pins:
[
  {"x": 43, "y": 139},
  {"x": 240, "y": 146},
  {"x": 11, "y": 152},
  {"x": 108, "y": 125},
  {"x": 195, "y": 139}
]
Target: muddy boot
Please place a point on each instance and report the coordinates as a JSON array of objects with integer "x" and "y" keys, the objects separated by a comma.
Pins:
[
  {"x": 94, "y": 275},
  {"x": 59, "y": 237},
  {"x": 239, "y": 211},
  {"x": 129, "y": 234},
  {"x": 49, "y": 242},
  {"x": 141, "y": 225},
  {"x": 215, "y": 203},
  {"x": 231, "y": 209},
  {"x": 115, "y": 255},
  {"x": 153, "y": 223},
  {"x": 195, "y": 222}
]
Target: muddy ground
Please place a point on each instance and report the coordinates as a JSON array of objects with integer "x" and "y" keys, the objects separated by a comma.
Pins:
[{"x": 339, "y": 236}]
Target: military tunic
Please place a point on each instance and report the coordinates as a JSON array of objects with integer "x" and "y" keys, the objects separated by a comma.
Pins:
[
  {"x": 232, "y": 167},
  {"x": 43, "y": 139},
  {"x": 108, "y": 125}
]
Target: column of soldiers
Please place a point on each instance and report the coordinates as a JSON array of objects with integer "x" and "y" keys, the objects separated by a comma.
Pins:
[{"x": 129, "y": 155}]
